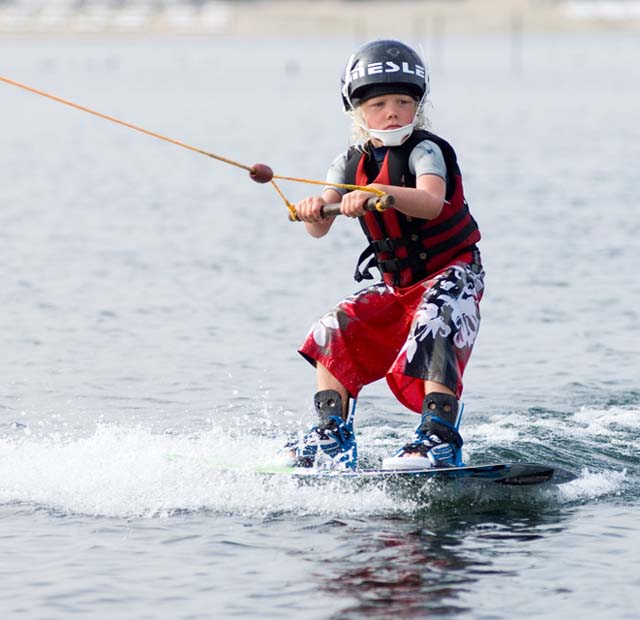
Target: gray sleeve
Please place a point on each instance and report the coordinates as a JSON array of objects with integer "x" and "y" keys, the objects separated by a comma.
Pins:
[
  {"x": 336, "y": 173},
  {"x": 427, "y": 158}
]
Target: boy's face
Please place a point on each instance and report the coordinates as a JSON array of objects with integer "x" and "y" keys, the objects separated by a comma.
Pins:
[{"x": 389, "y": 111}]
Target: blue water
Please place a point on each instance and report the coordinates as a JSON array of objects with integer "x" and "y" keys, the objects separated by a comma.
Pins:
[{"x": 153, "y": 299}]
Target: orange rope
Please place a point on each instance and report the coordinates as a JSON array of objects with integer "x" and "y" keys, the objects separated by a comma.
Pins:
[
  {"x": 153, "y": 134},
  {"x": 129, "y": 125},
  {"x": 377, "y": 192},
  {"x": 292, "y": 208}
]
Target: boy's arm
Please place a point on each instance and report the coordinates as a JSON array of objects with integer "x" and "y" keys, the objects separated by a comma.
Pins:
[
  {"x": 308, "y": 211},
  {"x": 424, "y": 201}
]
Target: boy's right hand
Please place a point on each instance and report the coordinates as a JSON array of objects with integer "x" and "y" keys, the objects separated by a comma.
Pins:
[{"x": 310, "y": 209}]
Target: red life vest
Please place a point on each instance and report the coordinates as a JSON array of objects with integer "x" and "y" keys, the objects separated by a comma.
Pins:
[{"x": 409, "y": 249}]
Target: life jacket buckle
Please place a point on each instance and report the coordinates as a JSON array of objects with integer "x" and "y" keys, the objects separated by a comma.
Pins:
[{"x": 388, "y": 245}]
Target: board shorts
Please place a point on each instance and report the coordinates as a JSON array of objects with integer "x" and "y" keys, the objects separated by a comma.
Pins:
[{"x": 408, "y": 335}]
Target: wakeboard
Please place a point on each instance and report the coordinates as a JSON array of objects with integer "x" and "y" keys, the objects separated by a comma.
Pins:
[{"x": 507, "y": 474}]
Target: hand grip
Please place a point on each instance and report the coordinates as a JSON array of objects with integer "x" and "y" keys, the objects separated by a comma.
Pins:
[{"x": 375, "y": 203}]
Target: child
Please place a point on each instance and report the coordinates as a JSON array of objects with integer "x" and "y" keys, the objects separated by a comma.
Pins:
[{"x": 417, "y": 327}]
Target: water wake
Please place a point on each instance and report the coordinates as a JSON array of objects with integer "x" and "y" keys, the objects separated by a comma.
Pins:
[{"x": 125, "y": 471}]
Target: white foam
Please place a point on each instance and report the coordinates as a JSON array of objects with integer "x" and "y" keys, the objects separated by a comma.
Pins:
[
  {"x": 590, "y": 485},
  {"x": 497, "y": 432},
  {"x": 595, "y": 421},
  {"x": 119, "y": 471}
]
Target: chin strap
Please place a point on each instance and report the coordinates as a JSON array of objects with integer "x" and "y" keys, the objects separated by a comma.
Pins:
[{"x": 393, "y": 137}]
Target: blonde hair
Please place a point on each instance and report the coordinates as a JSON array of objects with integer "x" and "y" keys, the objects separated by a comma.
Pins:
[{"x": 359, "y": 136}]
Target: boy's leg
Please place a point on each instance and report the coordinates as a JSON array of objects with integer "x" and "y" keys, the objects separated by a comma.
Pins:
[
  {"x": 326, "y": 381},
  {"x": 436, "y": 442},
  {"x": 332, "y": 442}
]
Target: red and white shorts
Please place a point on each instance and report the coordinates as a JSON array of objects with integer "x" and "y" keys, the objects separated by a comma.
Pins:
[{"x": 408, "y": 335}]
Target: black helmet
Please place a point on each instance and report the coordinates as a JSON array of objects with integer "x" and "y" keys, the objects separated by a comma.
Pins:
[{"x": 383, "y": 67}]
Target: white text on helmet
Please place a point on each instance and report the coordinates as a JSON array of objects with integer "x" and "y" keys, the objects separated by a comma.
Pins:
[{"x": 360, "y": 70}]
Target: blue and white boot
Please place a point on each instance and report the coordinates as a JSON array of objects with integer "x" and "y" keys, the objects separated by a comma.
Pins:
[
  {"x": 332, "y": 443},
  {"x": 436, "y": 442}
]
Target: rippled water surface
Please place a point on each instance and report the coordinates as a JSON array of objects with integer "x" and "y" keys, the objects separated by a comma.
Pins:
[{"x": 153, "y": 299}]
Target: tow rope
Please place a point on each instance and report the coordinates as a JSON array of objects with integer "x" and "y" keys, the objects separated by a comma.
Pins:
[{"x": 260, "y": 173}]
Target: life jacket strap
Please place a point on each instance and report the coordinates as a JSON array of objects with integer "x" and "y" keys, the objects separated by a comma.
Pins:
[
  {"x": 389, "y": 245},
  {"x": 366, "y": 261},
  {"x": 395, "y": 265}
]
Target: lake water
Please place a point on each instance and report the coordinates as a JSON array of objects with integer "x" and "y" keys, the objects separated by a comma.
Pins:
[{"x": 153, "y": 300}]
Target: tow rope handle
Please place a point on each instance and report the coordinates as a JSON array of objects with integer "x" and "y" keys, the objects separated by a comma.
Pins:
[{"x": 375, "y": 203}]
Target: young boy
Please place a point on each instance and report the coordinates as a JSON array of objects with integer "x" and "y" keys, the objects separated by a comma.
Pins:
[{"x": 417, "y": 327}]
